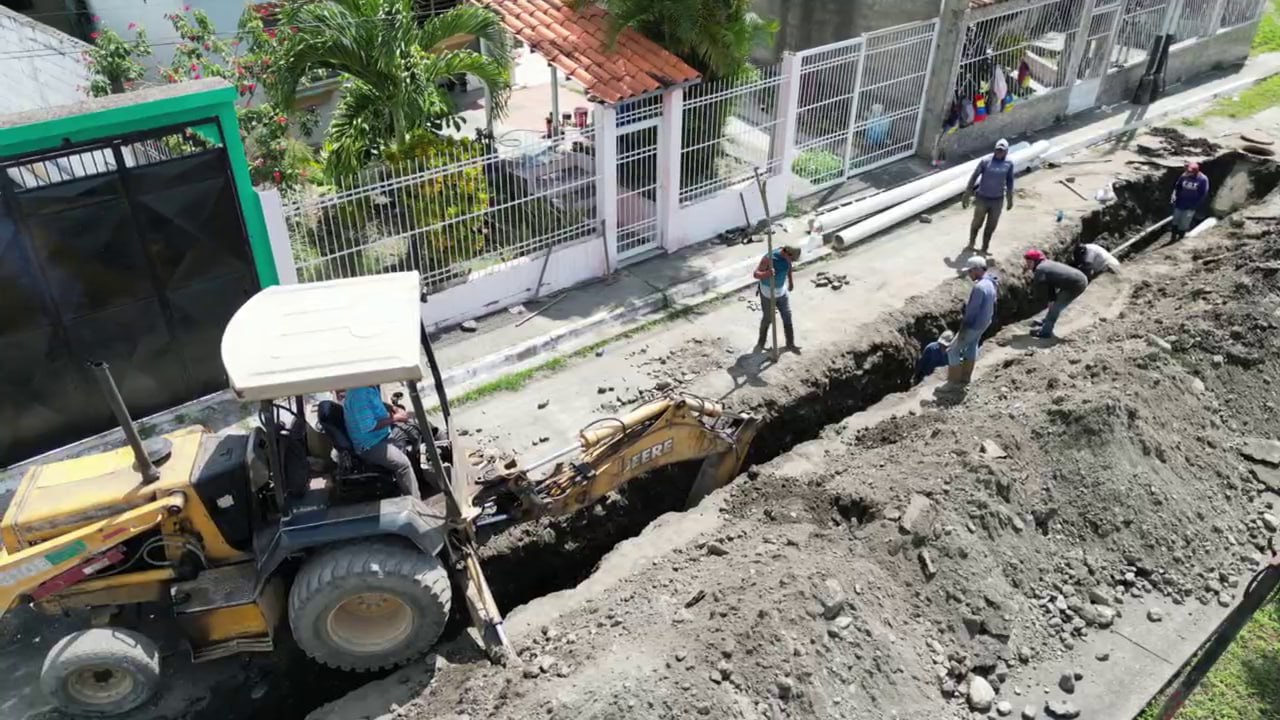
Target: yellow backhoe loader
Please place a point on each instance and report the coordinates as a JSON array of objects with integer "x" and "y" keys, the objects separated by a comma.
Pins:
[{"x": 231, "y": 534}]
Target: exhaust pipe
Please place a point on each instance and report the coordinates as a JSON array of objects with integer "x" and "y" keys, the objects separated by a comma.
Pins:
[{"x": 144, "y": 461}]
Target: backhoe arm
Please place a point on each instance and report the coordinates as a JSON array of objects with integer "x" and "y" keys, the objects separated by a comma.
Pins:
[
  {"x": 77, "y": 553},
  {"x": 611, "y": 452}
]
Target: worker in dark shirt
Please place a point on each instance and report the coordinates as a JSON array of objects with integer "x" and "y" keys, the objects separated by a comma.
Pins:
[
  {"x": 934, "y": 356},
  {"x": 1060, "y": 282},
  {"x": 990, "y": 187},
  {"x": 1189, "y": 192}
]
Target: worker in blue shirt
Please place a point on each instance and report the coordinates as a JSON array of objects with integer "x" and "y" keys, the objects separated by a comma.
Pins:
[
  {"x": 934, "y": 356},
  {"x": 979, "y": 310},
  {"x": 989, "y": 187},
  {"x": 369, "y": 427},
  {"x": 777, "y": 283},
  {"x": 1189, "y": 192}
]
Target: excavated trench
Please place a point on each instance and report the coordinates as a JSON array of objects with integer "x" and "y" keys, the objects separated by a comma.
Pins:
[{"x": 527, "y": 562}]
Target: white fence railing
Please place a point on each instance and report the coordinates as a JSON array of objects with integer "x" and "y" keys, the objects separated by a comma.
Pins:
[
  {"x": 727, "y": 132},
  {"x": 449, "y": 211},
  {"x": 1018, "y": 54},
  {"x": 1240, "y": 12}
]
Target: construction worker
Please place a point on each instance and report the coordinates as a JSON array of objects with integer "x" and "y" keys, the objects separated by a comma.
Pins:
[
  {"x": 989, "y": 187},
  {"x": 1189, "y": 192},
  {"x": 1060, "y": 282},
  {"x": 777, "y": 284},
  {"x": 934, "y": 355},
  {"x": 1093, "y": 260},
  {"x": 979, "y": 310}
]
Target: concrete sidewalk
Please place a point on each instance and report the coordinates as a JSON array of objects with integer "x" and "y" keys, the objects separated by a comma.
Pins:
[{"x": 506, "y": 342}]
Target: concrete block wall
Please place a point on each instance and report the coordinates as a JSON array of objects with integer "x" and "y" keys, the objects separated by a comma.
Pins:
[{"x": 40, "y": 67}]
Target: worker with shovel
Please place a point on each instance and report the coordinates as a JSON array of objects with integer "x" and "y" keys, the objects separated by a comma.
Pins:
[
  {"x": 776, "y": 285},
  {"x": 989, "y": 187},
  {"x": 978, "y": 313}
]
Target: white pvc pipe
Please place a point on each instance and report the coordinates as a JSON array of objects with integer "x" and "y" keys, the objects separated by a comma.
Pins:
[
  {"x": 844, "y": 215},
  {"x": 1022, "y": 159},
  {"x": 1202, "y": 227}
]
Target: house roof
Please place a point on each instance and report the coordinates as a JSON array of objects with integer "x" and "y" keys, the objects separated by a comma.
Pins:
[{"x": 576, "y": 42}]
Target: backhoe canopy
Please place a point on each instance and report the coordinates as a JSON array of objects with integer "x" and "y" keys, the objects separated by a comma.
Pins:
[{"x": 317, "y": 337}]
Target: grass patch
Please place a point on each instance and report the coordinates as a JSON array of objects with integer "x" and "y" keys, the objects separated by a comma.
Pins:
[
  {"x": 508, "y": 383},
  {"x": 1252, "y": 101},
  {"x": 1268, "y": 37},
  {"x": 1245, "y": 683}
]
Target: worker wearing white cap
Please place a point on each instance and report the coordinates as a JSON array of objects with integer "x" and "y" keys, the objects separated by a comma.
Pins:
[
  {"x": 991, "y": 189},
  {"x": 979, "y": 310}
]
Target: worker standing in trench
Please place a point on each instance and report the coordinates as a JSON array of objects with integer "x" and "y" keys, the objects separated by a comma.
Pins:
[
  {"x": 979, "y": 310},
  {"x": 1189, "y": 192},
  {"x": 989, "y": 187},
  {"x": 1060, "y": 282}
]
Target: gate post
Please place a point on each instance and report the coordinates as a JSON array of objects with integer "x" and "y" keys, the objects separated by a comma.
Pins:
[
  {"x": 670, "y": 144},
  {"x": 278, "y": 233},
  {"x": 783, "y": 145},
  {"x": 1079, "y": 43},
  {"x": 606, "y": 117},
  {"x": 948, "y": 45}
]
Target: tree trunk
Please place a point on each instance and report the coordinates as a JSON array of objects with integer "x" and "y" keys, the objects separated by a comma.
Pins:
[{"x": 117, "y": 86}]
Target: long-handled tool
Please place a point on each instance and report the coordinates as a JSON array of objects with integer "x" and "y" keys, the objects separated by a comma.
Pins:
[{"x": 773, "y": 290}]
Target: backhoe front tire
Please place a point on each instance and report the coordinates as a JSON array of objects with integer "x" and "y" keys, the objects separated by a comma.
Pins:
[
  {"x": 369, "y": 605},
  {"x": 101, "y": 672}
]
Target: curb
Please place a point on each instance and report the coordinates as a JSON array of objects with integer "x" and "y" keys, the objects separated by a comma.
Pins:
[{"x": 566, "y": 340}]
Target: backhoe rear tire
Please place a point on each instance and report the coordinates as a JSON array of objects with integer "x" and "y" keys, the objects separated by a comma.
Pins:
[
  {"x": 370, "y": 605},
  {"x": 101, "y": 672}
]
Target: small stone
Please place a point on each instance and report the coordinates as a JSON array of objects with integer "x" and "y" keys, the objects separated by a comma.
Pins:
[
  {"x": 1225, "y": 599},
  {"x": 1270, "y": 522},
  {"x": 992, "y": 450},
  {"x": 542, "y": 405},
  {"x": 1159, "y": 343},
  {"x": 600, "y": 352},
  {"x": 703, "y": 708},
  {"x": 981, "y": 695},
  {"x": 1061, "y": 709},
  {"x": 1024, "y": 654},
  {"x": 681, "y": 655},
  {"x": 996, "y": 626},
  {"x": 785, "y": 687},
  {"x": 469, "y": 326},
  {"x": 832, "y": 597},
  {"x": 1155, "y": 614},
  {"x": 1004, "y": 708},
  {"x": 926, "y": 219},
  {"x": 532, "y": 671},
  {"x": 716, "y": 549},
  {"x": 1029, "y": 712},
  {"x": 1102, "y": 656},
  {"x": 601, "y": 389},
  {"x": 1067, "y": 683},
  {"x": 927, "y": 564}
]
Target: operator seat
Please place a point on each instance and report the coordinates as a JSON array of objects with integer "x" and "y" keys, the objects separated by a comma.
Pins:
[{"x": 351, "y": 469}]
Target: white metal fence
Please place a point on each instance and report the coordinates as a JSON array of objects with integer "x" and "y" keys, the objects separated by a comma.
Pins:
[
  {"x": 450, "y": 210},
  {"x": 728, "y": 128},
  {"x": 1141, "y": 24},
  {"x": 860, "y": 104},
  {"x": 1017, "y": 54},
  {"x": 1240, "y": 12}
]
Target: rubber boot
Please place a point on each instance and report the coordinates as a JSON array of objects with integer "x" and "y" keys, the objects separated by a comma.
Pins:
[
  {"x": 955, "y": 374},
  {"x": 966, "y": 371}
]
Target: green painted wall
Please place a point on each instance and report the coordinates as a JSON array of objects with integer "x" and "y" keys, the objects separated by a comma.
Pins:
[{"x": 213, "y": 99}]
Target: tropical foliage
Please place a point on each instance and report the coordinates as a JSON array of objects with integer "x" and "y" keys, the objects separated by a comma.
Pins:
[
  {"x": 113, "y": 61},
  {"x": 716, "y": 37},
  {"x": 393, "y": 64}
]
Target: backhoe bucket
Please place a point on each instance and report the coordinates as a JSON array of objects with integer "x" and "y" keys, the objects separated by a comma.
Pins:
[{"x": 720, "y": 469}]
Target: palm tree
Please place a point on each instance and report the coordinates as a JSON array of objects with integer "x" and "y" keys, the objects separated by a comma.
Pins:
[
  {"x": 715, "y": 37},
  {"x": 392, "y": 61}
]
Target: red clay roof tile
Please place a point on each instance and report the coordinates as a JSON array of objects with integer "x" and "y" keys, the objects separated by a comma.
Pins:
[{"x": 576, "y": 42}]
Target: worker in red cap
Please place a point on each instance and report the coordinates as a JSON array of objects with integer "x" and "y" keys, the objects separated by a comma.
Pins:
[
  {"x": 1189, "y": 192},
  {"x": 1059, "y": 282}
]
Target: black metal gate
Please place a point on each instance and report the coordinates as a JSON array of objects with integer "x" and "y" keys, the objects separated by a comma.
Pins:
[{"x": 131, "y": 251}]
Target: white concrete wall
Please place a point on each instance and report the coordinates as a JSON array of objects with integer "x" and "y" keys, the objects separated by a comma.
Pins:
[
  {"x": 707, "y": 218},
  {"x": 39, "y": 66},
  {"x": 116, "y": 15},
  {"x": 502, "y": 285}
]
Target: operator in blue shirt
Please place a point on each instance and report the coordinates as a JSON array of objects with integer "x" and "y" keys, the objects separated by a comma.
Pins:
[
  {"x": 369, "y": 427},
  {"x": 989, "y": 185}
]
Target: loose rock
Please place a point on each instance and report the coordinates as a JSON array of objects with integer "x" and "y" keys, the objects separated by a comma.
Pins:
[
  {"x": 1004, "y": 708},
  {"x": 1067, "y": 683},
  {"x": 1061, "y": 709},
  {"x": 981, "y": 695},
  {"x": 1155, "y": 614}
]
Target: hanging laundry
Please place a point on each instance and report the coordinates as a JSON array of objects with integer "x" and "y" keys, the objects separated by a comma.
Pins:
[
  {"x": 967, "y": 113},
  {"x": 1024, "y": 78},
  {"x": 979, "y": 107},
  {"x": 999, "y": 88},
  {"x": 951, "y": 122}
]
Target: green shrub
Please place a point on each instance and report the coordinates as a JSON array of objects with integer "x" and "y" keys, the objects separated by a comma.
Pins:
[{"x": 818, "y": 165}]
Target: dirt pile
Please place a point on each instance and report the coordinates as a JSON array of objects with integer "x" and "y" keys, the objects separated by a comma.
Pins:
[{"x": 926, "y": 565}]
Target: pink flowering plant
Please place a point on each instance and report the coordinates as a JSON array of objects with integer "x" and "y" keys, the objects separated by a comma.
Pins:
[{"x": 113, "y": 61}]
